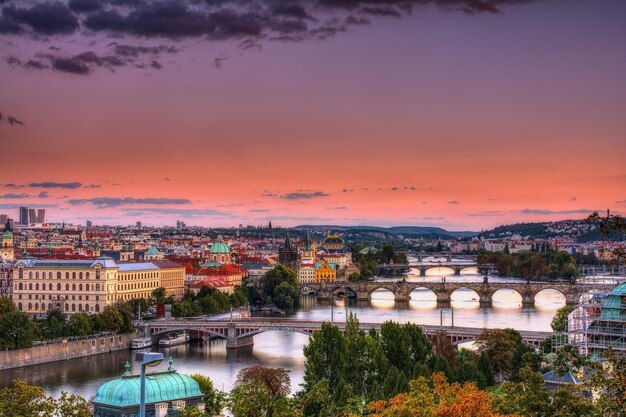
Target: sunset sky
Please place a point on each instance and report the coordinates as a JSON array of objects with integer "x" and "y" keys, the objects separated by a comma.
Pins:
[{"x": 463, "y": 114}]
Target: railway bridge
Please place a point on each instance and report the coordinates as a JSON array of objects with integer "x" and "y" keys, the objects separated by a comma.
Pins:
[
  {"x": 240, "y": 333},
  {"x": 443, "y": 290}
]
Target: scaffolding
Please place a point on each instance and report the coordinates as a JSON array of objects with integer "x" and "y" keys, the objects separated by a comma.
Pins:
[{"x": 599, "y": 321}]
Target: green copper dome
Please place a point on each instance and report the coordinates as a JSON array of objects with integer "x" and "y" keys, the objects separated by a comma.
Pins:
[
  {"x": 7, "y": 235},
  {"x": 160, "y": 387},
  {"x": 614, "y": 307},
  {"x": 153, "y": 251},
  {"x": 219, "y": 247}
]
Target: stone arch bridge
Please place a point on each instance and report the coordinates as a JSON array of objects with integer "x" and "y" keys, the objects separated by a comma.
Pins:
[{"x": 442, "y": 290}]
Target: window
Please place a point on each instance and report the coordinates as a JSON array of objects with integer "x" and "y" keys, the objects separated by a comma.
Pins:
[
  {"x": 21, "y": 272},
  {"x": 30, "y": 306},
  {"x": 19, "y": 286},
  {"x": 30, "y": 274},
  {"x": 98, "y": 273},
  {"x": 59, "y": 286},
  {"x": 67, "y": 307},
  {"x": 59, "y": 275},
  {"x": 73, "y": 307},
  {"x": 50, "y": 275},
  {"x": 49, "y": 287},
  {"x": 74, "y": 275},
  {"x": 30, "y": 286},
  {"x": 80, "y": 307},
  {"x": 80, "y": 287},
  {"x": 87, "y": 275},
  {"x": 36, "y": 306},
  {"x": 80, "y": 275},
  {"x": 37, "y": 275},
  {"x": 67, "y": 287},
  {"x": 73, "y": 287},
  {"x": 67, "y": 275},
  {"x": 97, "y": 287},
  {"x": 37, "y": 287},
  {"x": 19, "y": 306},
  {"x": 97, "y": 308},
  {"x": 86, "y": 287}
]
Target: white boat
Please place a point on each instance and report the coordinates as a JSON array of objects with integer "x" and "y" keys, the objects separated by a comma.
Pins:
[
  {"x": 142, "y": 342},
  {"x": 174, "y": 340}
]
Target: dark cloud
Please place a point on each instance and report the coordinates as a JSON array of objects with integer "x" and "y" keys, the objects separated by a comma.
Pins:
[
  {"x": 199, "y": 212},
  {"x": 14, "y": 195},
  {"x": 123, "y": 201},
  {"x": 571, "y": 200},
  {"x": 543, "y": 212},
  {"x": 218, "y": 60},
  {"x": 455, "y": 202},
  {"x": 259, "y": 211},
  {"x": 304, "y": 195},
  {"x": 337, "y": 208},
  {"x": 13, "y": 185},
  {"x": 92, "y": 186},
  {"x": 43, "y": 194},
  {"x": 487, "y": 213},
  {"x": 249, "y": 21},
  {"x": 44, "y": 18},
  {"x": 347, "y": 190},
  {"x": 394, "y": 188},
  {"x": 52, "y": 184},
  {"x": 82, "y": 6}
]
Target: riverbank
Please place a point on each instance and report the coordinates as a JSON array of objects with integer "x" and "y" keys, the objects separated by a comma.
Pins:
[{"x": 65, "y": 350}]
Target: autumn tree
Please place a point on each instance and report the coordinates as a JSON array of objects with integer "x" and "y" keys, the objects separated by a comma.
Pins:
[
  {"x": 261, "y": 392},
  {"x": 21, "y": 399}
]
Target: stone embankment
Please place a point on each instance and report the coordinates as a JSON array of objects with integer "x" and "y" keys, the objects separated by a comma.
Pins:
[{"x": 64, "y": 350}]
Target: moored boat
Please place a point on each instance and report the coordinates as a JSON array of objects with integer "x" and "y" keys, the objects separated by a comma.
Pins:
[
  {"x": 174, "y": 340},
  {"x": 140, "y": 343}
]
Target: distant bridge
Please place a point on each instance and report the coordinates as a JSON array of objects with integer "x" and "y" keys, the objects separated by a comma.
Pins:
[
  {"x": 443, "y": 290},
  {"x": 240, "y": 332},
  {"x": 455, "y": 266}
]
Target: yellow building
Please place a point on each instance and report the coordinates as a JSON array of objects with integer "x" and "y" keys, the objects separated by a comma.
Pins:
[
  {"x": 325, "y": 272},
  {"x": 6, "y": 247},
  {"x": 88, "y": 285}
]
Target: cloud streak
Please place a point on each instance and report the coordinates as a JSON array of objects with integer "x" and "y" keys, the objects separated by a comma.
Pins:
[
  {"x": 304, "y": 195},
  {"x": 107, "y": 202}
]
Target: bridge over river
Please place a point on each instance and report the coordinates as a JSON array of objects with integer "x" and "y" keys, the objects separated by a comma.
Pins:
[
  {"x": 240, "y": 332},
  {"x": 443, "y": 290}
]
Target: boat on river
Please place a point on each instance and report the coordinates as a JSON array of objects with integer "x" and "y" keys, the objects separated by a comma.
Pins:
[
  {"x": 140, "y": 343},
  {"x": 174, "y": 340}
]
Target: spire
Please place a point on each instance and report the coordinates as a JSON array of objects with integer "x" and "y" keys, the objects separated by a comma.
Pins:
[
  {"x": 308, "y": 240},
  {"x": 127, "y": 369}
]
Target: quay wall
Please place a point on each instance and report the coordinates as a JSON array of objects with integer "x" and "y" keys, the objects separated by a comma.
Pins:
[{"x": 64, "y": 350}]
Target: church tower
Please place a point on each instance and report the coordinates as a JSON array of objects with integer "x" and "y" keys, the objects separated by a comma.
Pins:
[
  {"x": 7, "y": 250},
  {"x": 288, "y": 255}
]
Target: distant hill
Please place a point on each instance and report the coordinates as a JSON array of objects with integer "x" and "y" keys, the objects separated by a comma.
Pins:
[
  {"x": 576, "y": 229},
  {"x": 396, "y": 230}
]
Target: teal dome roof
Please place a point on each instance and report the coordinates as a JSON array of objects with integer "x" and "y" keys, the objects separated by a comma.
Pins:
[
  {"x": 153, "y": 251},
  {"x": 219, "y": 246},
  {"x": 7, "y": 235},
  {"x": 160, "y": 387},
  {"x": 614, "y": 307}
]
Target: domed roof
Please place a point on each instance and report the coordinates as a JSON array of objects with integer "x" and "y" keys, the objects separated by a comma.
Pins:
[
  {"x": 160, "y": 387},
  {"x": 219, "y": 246},
  {"x": 333, "y": 239},
  {"x": 153, "y": 251},
  {"x": 614, "y": 307},
  {"x": 7, "y": 235}
]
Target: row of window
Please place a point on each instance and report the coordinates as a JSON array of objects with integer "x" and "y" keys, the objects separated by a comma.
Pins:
[
  {"x": 59, "y": 275},
  {"x": 21, "y": 286},
  {"x": 57, "y": 306},
  {"x": 138, "y": 285},
  {"x": 56, "y": 297},
  {"x": 143, "y": 275}
]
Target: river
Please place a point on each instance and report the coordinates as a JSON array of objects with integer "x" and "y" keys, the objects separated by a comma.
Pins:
[{"x": 83, "y": 376}]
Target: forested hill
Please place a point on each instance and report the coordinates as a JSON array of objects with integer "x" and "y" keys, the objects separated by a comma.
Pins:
[{"x": 577, "y": 229}]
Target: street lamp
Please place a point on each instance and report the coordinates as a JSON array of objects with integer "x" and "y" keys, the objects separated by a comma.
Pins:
[{"x": 146, "y": 359}]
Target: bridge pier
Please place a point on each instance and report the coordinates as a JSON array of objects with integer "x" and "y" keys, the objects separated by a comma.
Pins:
[
  {"x": 443, "y": 299},
  {"x": 422, "y": 271},
  {"x": 528, "y": 299},
  {"x": 486, "y": 299},
  {"x": 457, "y": 270},
  {"x": 239, "y": 342}
]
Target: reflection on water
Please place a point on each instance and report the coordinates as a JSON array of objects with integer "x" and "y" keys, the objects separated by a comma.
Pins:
[{"x": 281, "y": 349}]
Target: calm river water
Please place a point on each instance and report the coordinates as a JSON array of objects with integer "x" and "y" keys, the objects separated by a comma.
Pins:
[{"x": 83, "y": 376}]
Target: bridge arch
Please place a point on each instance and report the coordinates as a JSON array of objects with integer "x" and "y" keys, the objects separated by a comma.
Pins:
[
  {"x": 345, "y": 289},
  {"x": 508, "y": 297},
  {"x": 465, "y": 296},
  {"x": 381, "y": 288},
  {"x": 550, "y": 297}
]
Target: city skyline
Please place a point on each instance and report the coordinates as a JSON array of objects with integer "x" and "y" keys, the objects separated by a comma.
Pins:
[{"x": 464, "y": 118}]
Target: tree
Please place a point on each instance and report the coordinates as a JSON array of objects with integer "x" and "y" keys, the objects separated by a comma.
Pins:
[
  {"x": 17, "y": 331},
  {"x": 23, "y": 400},
  {"x": 436, "y": 397},
  {"x": 6, "y": 305},
  {"x": 112, "y": 319},
  {"x": 286, "y": 296},
  {"x": 158, "y": 295},
  {"x": 559, "y": 322},
  {"x": 610, "y": 380},
  {"x": 72, "y": 406},
  {"x": 54, "y": 325},
  {"x": 324, "y": 355},
  {"x": 261, "y": 392},
  {"x": 500, "y": 345},
  {"x": 354, "y": 277},
  {"x": 485, "y": 368},
  {"x": 80, "y": 324},
  {"x": 213, "y": 399},
  {"x": 273, "y": 278}
]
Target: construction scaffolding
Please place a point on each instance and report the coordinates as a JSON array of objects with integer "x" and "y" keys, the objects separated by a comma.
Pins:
[{"x": 599, "y": 321}]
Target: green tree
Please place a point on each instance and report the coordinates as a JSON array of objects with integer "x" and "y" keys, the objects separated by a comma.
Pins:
[
  {"x": 286, "y": 296},
  {"x": 158, "y": 295},
  {"x": 485, "y": 368},
  {"x": 17, "y": 331},
  {"x": 261, "y": 392},
  {"x": 53, "y": 325},
  {"x": 80, "y": 324},
  {"x": 213, "y": 399},
  {"x": 6, "y": 305},
  {"x": 72, "y": 406},
  {"x": 354, "y": 277},
  {"x": 559, "y": 322},
  {"x": 324, "y": 355},
  {"x": 500, "y": 345},
  {"x": 23, "y": 400},
  {"x": 112, "y": 320}
]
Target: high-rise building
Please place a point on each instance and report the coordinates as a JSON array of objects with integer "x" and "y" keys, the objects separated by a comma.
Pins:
[
  {"x": 3, "y": 220},
  {"x": 138, "y": 225},
  {"x": 41, "y": 215},
  {"x": 24, "y": 215},
  {"x": 32, "y": 216}
]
